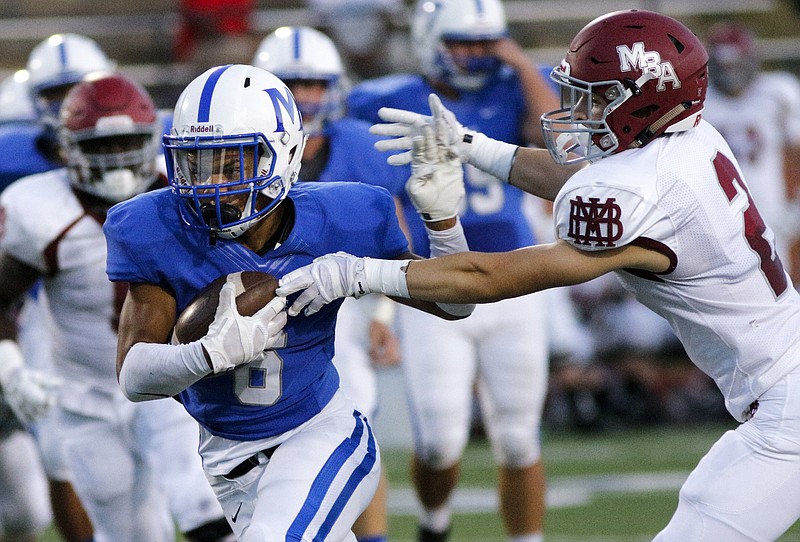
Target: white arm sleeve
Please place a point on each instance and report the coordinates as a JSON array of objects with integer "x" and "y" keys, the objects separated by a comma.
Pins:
[
  {"x": 154, "y": 371},
  {"x": 450, "y": 241}
]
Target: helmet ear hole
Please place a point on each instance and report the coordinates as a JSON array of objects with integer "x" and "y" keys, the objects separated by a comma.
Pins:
[{"x": 644, "y": 112}]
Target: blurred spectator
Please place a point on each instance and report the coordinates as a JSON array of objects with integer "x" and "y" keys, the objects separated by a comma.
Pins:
[
  {"x": 214, "y": 32},
  {"x": 369, "y": 33},
  {"x": 758, "y": 113},
  {"x": 636, "y": 373}
]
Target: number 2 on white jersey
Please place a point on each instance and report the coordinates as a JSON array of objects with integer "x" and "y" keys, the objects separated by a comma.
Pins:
[{"x": 754, "y": 226}]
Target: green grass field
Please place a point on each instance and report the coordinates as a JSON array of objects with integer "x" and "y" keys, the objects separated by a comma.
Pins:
[{"x": 617, "y": 486}]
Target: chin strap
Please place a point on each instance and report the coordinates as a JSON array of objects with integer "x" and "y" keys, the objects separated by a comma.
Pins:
[{"x": 647, "y": 134}]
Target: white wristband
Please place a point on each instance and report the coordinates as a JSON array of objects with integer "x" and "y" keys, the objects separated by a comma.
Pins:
[
  {"x": 154, "y": 371},
  {"x": 449, "y": 241},
  {"x": 386, "y": 277},
  {"x": 492, "y": 156},
  {"x": 10, "y": 359}
]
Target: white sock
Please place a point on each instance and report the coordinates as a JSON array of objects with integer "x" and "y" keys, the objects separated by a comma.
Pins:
[{"x": 436, "y": 520}]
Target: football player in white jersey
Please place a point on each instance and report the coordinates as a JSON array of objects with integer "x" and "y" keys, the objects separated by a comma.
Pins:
[
  {"x": 664, "y": 205},
  {"x": 131, "y": 465},
  {"x": 758, "y": 114},
  {"x": 24, "y": 507}
]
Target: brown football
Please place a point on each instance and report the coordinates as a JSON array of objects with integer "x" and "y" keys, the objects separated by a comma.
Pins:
[{"x": 256, "y": 289}]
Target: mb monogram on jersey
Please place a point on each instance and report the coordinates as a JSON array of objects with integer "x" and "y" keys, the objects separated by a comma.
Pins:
[{"x": 594, "y": 222}]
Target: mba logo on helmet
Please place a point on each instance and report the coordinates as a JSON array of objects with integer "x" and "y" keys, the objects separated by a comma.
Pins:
[{"x": 636, "y": 58}]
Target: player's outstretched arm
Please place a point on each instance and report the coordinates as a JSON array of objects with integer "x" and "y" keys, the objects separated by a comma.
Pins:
[{"x": 466, "y": 277}]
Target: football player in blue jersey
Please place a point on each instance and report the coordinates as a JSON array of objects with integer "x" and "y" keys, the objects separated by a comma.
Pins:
[
  {"x": 286, "y": 452},
  {"x": 109, "y": 136},
  {"x": 466, "y": 56},
  {"x": 340, "y": 148},
  {"x": 54, "y": 66}
]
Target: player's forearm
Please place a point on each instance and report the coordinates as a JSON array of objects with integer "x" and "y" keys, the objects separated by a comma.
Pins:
[
  {"x": 454, "y": 279},
  {"x": 442, "y": 243},
  {"x": 535, "y": 172},
  {"x": 154, "y": 371}
]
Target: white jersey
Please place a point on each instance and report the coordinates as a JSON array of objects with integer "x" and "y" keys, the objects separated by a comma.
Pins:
[
  {"x": 149, "y": 449},
  {"x": 47, "y": 228},
  {"x": 726, "y": 295},
  {"x": 758, "y": 124}
]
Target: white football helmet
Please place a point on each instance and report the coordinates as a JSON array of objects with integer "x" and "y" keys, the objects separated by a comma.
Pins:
[
  {"x": 235, "y": 111},
  {"x": 109, "y": 137},
  {"x": 16, "y": 104},
  {"x": 59, "y": 62},
  {"x": 437, "y": 21},
  {"x": 302, "y": 53}
]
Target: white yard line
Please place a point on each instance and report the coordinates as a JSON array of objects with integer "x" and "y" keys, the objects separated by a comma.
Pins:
[{"x": 562, "y": 492}]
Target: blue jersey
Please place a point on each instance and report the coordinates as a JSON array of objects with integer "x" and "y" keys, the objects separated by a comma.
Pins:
[
  {"x": 147, "y": 243},
  {"x": 352, "y": 156},
  {"x": 493, "y": 219},
  {"x": 20, "y": 141}
]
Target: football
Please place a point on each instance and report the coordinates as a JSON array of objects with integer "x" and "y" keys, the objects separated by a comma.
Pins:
[{"x": 256, "y": 289}]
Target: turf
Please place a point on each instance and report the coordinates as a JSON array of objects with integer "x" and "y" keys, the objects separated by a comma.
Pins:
[{"x": 619, "y": 486}]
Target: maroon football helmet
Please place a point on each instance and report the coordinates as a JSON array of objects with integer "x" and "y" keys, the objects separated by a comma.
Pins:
[
  {"x": 628, "y": 77},
  {"x": 109, "y": 134},
  {"x": 733, "y": 58}
]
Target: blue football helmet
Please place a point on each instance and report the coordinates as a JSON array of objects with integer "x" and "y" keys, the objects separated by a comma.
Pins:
[
  {"x": 58, "y": 63},
  {"x": 301, "y": 53},
  {"x": 16, "y": 104},
  {"x": 237, "y": 134},
  {"x": 436, "y": 22}
]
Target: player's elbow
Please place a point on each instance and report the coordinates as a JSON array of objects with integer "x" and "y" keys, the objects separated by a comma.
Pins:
[
  {"x": 451, "y": 311},
  {"x": 133, "y": 387}
]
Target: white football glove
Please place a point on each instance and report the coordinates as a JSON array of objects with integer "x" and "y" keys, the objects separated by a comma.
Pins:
[
  {"x": 436, "y": 185},
  {"x": 487, "y": 154},
  {"x": 234, "y": 340},
  {"x": 405, "y": 126},
  {"x": 339, "y": 275},
  {"x": 325, "y": 279},
  {"x": 30, "y": 393}
]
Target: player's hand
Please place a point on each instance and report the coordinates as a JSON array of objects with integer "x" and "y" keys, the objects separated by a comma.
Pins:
[
  {"x": 234, "y": 340},
  {"x": 384, "y": 348},
  {"x": 30, "y": 393},
  {"x": 403, "y": 126},
  {"x": 436, "y": 186},
  {"x": 325, "y": 279}
]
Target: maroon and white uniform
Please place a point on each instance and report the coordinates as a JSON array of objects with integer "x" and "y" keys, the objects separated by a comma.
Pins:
[
  {"x": 729, "y": 301},
  {"x": 758, "y": 125},
  {"x": 123, "y": 458}
]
